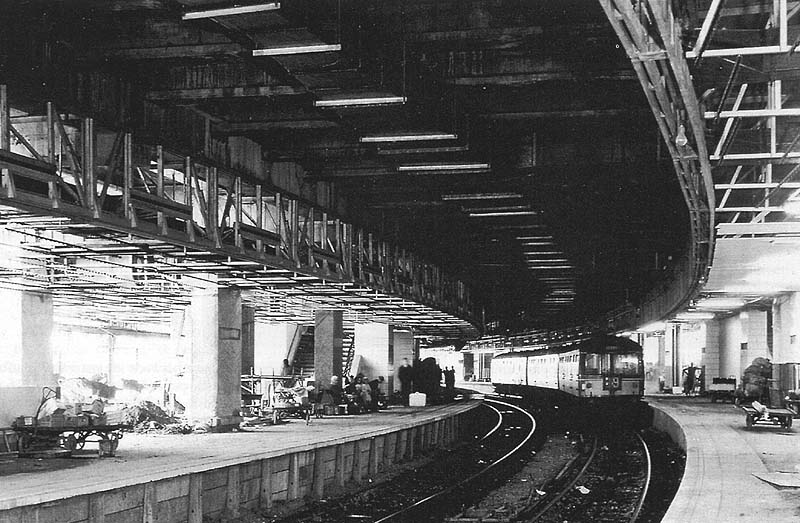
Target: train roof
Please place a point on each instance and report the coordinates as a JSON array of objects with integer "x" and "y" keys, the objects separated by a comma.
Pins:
[{"x": 593, "y": 344}]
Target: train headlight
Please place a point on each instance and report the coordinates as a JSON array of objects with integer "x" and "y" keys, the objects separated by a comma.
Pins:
[{"x": 588, "y": 385}]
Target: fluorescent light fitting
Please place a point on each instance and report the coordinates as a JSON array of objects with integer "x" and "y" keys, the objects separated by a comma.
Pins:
[
  {"x": 542, "y": 237},
  {"x": 538, "y": 244},
  {"x": 410, "y": 137},
  {"x": 297, "y": 49},
  {"x": 482, "y": 196},
  {"x": 498, "y": 208},
  {"x": 444, "y": 167},
  {"x": 542, "y": 253},
  {"x": 548, "y": 267},
  {"x": 501, "y": 213},
  {"x": 358, "y": 101},
  {"x": 503, "y": 226},
  {"x": 552, "y": 260},
  {"x": 229, "y": 11}
]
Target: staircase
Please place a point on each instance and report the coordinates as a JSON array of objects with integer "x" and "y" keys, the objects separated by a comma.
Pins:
[{"x": 303, "y": 363}]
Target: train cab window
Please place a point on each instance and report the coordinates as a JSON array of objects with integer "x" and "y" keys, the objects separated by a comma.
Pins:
[
  {"x": 627, "y": 364},
  {"x": 592, "y": 364}
]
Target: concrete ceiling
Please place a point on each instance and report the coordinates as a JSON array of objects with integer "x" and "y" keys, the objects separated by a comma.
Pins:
[{"x": 571, "y": 209}]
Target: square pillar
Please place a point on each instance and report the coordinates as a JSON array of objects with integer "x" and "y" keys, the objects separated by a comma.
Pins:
[
  {"x": 328, "y": 334},
  {"x": 786, "y": 326},
  {"x": 248, "y": 339},
  {"x": 26, "y": 354},
  {"x": 216, "y": 356}
]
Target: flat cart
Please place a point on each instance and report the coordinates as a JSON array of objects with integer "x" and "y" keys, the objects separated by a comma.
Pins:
[
  {"x": 36, "y": 438},
  {"x": 767, "y": 416},
  {"x": 722, "y": 389},
  {"x": 276, "y": 397}
]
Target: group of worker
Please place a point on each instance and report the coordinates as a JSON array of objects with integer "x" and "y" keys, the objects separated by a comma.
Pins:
[
  {"x": 425, "y": 376},
  {"x": 359, "y": 394}
]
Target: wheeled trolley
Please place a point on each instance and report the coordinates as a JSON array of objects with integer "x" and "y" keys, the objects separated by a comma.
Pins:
[
  {"x": 34, "y": 438},
  {"x": 767, "y": 416}
]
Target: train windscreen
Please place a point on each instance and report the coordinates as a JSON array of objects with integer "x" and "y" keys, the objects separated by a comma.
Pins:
[
  {"x": 626, "y": 364},
  {"x": 616, "y": 364}
]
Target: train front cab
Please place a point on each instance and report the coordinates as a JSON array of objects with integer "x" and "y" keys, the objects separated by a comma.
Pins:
[{"x": 610, "y": 375}]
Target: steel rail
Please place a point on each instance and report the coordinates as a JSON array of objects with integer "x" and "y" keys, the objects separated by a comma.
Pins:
[
  {"x": 406, "y": 510},
  {"x": 567, "y": 488},
  {"x": 648, "y": 474}
]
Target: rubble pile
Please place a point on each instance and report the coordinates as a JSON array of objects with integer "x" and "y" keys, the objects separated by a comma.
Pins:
[{"x": 147, "y": 417}]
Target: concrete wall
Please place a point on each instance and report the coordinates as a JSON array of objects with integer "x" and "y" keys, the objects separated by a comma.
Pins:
[
  {"x": 272, "y": 345},
  {"x": 374, "y": 350},
  {"x": 18, "y": 401},
  {"x": 26, "y": 362},
  {"x": 255, "y": 483},
  {"x": 785, "y": 323}
]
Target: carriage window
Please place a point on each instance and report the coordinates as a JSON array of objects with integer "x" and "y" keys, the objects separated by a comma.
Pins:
[
  {"x": 627, "y": 364},
  {"x": 592, "y": 364}
]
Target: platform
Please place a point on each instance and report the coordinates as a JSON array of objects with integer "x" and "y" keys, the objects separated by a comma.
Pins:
[
  {"x": 733, "y": 473},
  {"x": 183, "y": 477}
]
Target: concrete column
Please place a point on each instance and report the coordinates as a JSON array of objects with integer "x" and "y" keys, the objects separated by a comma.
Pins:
[
  {"x": 26, "y": 325},
  {"x": 730, "y": 339},
  {"x": 248, "y": 339},
  {"x": 754, "y": 328},
  {"x": 328, "y": 334},
  {"x": 786, "y": 324},
  {"x": 374, "y": 347},
  {"x": 711, "y": 359},
  {"x": 216, "y": 356},
  {"x": 671, "y": 336}
]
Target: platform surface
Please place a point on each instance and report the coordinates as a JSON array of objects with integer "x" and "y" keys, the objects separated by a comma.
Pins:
[
  {"x": 733, "y": 473},
  {"x": 147, "y": 457}
]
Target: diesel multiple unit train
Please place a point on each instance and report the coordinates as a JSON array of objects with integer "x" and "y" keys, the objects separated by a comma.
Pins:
[{"x": 593, "y": 369}]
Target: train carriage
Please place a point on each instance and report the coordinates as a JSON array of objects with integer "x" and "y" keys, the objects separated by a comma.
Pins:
[{"x": 599, "y": 368}]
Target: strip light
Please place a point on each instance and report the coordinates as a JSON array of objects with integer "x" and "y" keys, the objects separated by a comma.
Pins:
[
  {"x": 501, "y": 213},
  {"x": 229, "y": 11},
  {"x": 297, "y": 49},
  {"x": 473, "y": 210},
  {"x": 548, "y": 267},
  {"x": 364, "y": 100},
  {"x": 482, "y": 196},
  {"x": 444, "y": 167},
  {"x": 411, "y": 137}
]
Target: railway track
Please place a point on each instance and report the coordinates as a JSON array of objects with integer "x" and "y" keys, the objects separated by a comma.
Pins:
[
  {"x": 432, "y": 491},
  {"x": 608, "y": 482}
]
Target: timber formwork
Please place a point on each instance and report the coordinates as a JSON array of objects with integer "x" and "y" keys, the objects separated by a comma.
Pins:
[{"x": 71, "y": 191}]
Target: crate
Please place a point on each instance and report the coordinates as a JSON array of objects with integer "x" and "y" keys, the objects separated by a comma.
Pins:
[
  {"x": 417, "y": 399},
  {"x": 24, "y": 421},
  {"x": 54, "y": 420}
]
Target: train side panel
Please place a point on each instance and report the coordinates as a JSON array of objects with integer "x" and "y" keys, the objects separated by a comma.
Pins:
[
  {"x": 509, "y": 370},
  {"x": 543, "y": 371},
  {"x": 569, "y": 373}
]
